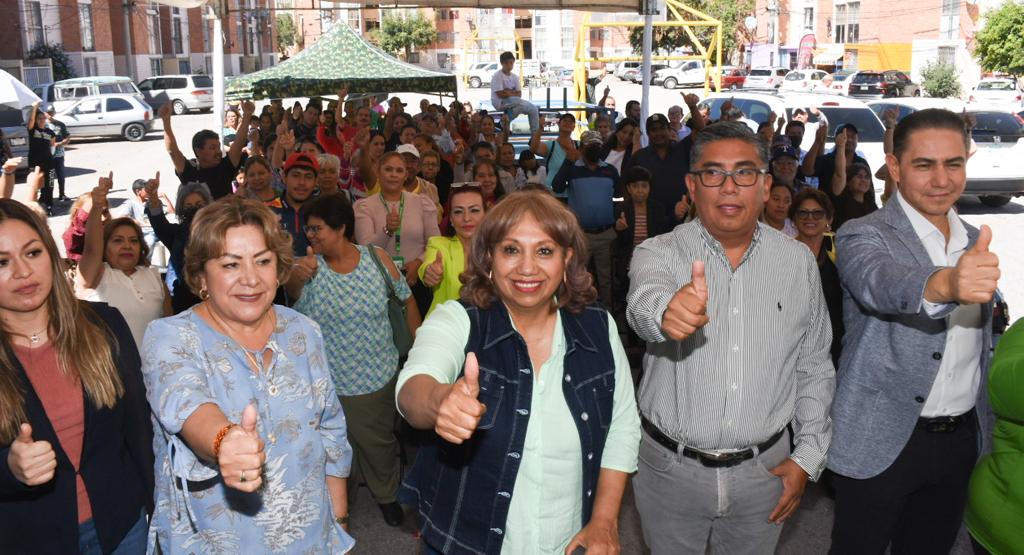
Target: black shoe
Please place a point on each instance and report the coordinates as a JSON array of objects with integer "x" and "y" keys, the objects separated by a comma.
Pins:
[
  {"x": 393, "y": 513},
  {"x": 63, "y": 198}
]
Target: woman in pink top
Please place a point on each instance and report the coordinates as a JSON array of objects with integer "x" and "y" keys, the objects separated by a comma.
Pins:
[
  {"x": 76, "y": 460},
  {"x": 399, "y": 222}
]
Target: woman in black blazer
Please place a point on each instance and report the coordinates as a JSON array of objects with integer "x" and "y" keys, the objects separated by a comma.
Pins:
[{"x": 75, "y": 429}]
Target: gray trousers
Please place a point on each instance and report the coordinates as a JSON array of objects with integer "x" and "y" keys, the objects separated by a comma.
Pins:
[
  {"x": 600, "y": 247},
  {"x": 371, "y": 432},
  {"x": 687, "y": 508}
]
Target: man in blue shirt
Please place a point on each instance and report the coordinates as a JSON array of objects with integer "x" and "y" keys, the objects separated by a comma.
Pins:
[{"x": 591, "y": 185}]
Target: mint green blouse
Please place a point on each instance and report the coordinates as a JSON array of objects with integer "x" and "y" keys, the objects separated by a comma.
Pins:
[{"x": 546, "y": 508}]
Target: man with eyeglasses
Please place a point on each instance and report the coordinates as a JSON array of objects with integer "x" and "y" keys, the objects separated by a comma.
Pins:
[{"x": 738, "y": 339}]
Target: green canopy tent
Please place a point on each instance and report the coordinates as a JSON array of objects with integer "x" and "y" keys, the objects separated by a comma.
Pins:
[{"x": 339, "y": 58}]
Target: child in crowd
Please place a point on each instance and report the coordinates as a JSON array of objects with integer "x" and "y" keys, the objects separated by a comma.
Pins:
[
  {"x": 530, "y": 170},
  {"x": 640, "y": 217}
]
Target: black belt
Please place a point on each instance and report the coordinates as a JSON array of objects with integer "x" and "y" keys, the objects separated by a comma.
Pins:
[
  {"x": 597, "y": 229},
  {"x": 944, "y": 424},
  {"x": 713, "y": 460}
]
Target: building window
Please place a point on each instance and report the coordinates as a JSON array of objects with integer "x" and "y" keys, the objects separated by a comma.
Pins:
[
  {"x": 155, "y": 66},
  {"x": 568, "y": 38},
  {"x": 372, "y": 24},
  {"x": 353, "y": 19},
  {"x": 840, "y": 24},
  {"x": 538, "y": 19},
  {"x": 947, "y": 55},
  {"x": 91, "y": 69},
  {"x": 414, "y": 58},
  {"x": 207, "y": 31},
  {"x": 176, "y": 38},
  {"x": 34, "y": 24},
  {"x": 809, "y": 18},
  {"x": 155, "y": 44},
  {"x": 85, "y": 27},
  {"x": 184, "y": 67},
  {"x": 853, "y": 22},
  {"x": 949, "y": 24}
]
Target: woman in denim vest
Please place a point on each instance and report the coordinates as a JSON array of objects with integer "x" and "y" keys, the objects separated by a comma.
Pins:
[{"x": 527, "y": 387}]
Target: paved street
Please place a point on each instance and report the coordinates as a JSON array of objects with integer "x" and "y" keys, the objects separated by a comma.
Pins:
[{"x": 808, "y": 531}]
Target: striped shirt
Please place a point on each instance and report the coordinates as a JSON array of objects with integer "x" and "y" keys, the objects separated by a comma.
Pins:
[
  {"x": 762, "y": 361},
  {"x": 639, "y": 228}
]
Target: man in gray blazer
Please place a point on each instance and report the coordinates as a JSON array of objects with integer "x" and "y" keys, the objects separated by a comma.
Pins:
[{"x": 910, "y": 401}]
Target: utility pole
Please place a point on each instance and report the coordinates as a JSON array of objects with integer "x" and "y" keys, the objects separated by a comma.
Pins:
[{"x": 128, "y": 61}]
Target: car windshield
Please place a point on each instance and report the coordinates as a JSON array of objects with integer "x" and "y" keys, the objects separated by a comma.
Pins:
[
  {"x": 202, "y": 81},
  {"x": 995, "y": 86},
  {"x": 869, "y": 129},
  {"x": 9, "y": 117},
  {"x": 795, "y": 76},
  {"x": 839, "y": 77},
  {"x": 760, "y": 72},
  {"x": 989, "y": 124},
  {"x": 867, "y": 78}
]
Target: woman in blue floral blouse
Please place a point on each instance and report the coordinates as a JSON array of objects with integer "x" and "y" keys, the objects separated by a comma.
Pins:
[{"x": 251, "y": 447}]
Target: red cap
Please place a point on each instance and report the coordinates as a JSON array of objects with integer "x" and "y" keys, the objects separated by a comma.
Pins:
[{"x": 301, "y": 160}]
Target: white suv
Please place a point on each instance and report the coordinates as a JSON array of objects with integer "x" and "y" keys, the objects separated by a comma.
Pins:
[
  {"x": 690, "y": 72},
  {"x": 481, "y": 74},
  {"x": 804, "y": 80},
  {"x": 765, "y": 78}
]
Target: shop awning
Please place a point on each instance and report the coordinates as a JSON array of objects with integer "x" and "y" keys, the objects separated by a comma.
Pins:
[{"x": 828, "y": 54}]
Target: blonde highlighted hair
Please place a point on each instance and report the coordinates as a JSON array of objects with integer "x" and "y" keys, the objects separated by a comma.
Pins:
[{"x": 83, "y": 342}]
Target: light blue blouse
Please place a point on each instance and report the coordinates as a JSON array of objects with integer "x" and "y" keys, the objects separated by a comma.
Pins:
[{"x": 186, "y": 363}]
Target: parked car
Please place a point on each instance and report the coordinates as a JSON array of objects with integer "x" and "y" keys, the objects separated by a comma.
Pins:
[
  {"x": 622, "y": 67},
  {"x": 803, "y": 80},
  {"x": 765, "y": 78},
  {"x": 1002, "y": 92},
  {"x": 838, "y": 82},
  {"x": 12, "y": 121},
  {"x": 732, "y": 78},
  {"x": 63, "y": 94},
  {"x": 481, "y": 74},
  {"x": 186, "y": 93},
  {"x": 655, "y": 68},
  {"x": 759, "y": 105},
  {"x": 690, "y": 72},
  {"x": 993, "y": 171},
  {"x": 112, "y": 115},
  {"x": 883, "y": 84}
]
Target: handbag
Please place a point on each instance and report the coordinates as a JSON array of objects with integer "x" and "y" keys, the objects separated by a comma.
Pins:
[{"x": 396, "y": 310}]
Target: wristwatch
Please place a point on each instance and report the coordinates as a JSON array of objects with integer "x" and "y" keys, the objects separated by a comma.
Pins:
[{"x": 342, "y": 520}]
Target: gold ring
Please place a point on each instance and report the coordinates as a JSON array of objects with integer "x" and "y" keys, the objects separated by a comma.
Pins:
[{"x": 242, "y": 478}]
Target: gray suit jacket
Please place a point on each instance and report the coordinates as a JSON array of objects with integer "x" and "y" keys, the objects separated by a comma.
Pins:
[{"x": 892, "y": 349}]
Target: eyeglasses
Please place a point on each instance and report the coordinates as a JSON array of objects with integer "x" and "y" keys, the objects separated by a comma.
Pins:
[
  {"x": 312, "y": 229},
  {"x": 810, "y": 214},
  {"x": 743, "y": 177}
]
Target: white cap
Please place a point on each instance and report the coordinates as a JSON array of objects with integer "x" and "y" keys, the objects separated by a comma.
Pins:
[{"x": 408, "y": 149}]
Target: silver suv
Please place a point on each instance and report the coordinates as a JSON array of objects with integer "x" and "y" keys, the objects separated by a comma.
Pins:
[{"x": 186, "y": 93}]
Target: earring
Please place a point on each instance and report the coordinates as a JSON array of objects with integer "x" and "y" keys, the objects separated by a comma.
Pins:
[
  {"x": 204, "y": 294},
  {"x": 489, "y": 275}
]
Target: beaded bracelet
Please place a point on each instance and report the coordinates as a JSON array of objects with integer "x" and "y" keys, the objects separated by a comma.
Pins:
[{"x": 220, "y": 438}]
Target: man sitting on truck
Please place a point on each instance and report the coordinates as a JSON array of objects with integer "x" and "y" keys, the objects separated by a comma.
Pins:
[{"x": 507, "y": 96}]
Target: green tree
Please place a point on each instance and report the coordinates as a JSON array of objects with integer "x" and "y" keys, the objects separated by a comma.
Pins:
[
  {"x": 1000, "y": 44},
  {"x": 287, "y": 34},
  {"x": 940, "y": 80},
  {"x": 403, "y": 32},
  {"x": 62, "y": 68},
  {"x": 730, "y": 12}
]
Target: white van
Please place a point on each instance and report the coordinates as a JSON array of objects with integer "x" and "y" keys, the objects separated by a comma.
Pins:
[{"x": 63, "y": 94}]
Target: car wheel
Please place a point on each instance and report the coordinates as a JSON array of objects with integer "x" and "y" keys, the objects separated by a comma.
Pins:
[
  {"x": 475, "y": 82},
  {"x": 995, "y": 201},
  {"x": 670, "y": 83},
  {"x": 134, "y": 132},
  {"x": 178, "y": 108}
]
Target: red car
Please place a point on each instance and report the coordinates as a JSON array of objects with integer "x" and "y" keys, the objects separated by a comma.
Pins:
[{"x": 732, "y": 78}]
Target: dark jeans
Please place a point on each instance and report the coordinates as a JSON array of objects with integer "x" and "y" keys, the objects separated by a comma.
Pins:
[
  {"x": 58, "y": 171},
  {"x": 46, "y": 191},
  {"x": 917, "y": 503},
  {"x": 133, "y": 543}
]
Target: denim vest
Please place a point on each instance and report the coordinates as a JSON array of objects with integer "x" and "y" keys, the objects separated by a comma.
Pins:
[{"x": 463, "y": 492}]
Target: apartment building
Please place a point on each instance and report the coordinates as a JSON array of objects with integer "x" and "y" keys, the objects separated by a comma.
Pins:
[{"x": 158, "y": 39}]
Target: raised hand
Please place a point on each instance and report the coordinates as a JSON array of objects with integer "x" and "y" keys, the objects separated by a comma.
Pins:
[
  {"x": 682, "y": 208},
  {"x": 32, "y": 462},
  {"x": 621, "y": 224},
  {"x": 342, "y": 93},
  {"x": 241, "y": 455},
  {"x": 287, "y": 140},
  {"x": 12, "y": 164},
  {"x": 976, "y": 274},
  {"x": 305, "y": 267},
  {"x": 165, "y": 111},
  {"x": 434, "y": 272},
  {"x": 889, "y": 117},
  {"x": 99, "y": 193},
  {"x": 393, "y": 222},
  {"x": 687, "y": 310},
  {"x": 460, "y": 411},
  {"x": 690, "y": 99}
]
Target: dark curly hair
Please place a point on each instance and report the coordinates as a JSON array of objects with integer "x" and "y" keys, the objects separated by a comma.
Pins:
[{"x": 577, "y": 289}]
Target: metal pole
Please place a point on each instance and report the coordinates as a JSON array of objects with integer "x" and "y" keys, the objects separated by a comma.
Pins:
[
  {"x": 218, "y": 71},
  {"x": 645, "y": 102},
  {"x": 128, "y": 65}
]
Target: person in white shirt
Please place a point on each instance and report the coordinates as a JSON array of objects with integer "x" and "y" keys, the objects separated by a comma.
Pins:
[
  {"x": 507, "y": 96},
  {"x": 911, "y": 407}
]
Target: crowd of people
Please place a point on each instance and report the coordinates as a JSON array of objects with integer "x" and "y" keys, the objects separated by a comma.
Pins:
[{"x": 341, "y": 267}]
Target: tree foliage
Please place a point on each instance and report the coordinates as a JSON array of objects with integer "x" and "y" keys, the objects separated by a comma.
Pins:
[
  {"x": 287, "y": 34},
  {"x": 399, "y": 32},
  {"x": 62, "y": 68},
  {"x": 730, "y": 12},
  {"x": 1000, "y": 44},
  {"x": 940, "y": 80}
]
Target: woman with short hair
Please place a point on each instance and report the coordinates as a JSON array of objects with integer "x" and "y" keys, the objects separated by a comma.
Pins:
[{"x": 811, "y": 212}]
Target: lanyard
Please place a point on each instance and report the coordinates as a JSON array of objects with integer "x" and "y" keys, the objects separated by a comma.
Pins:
[{"x": 401, "y": 212}]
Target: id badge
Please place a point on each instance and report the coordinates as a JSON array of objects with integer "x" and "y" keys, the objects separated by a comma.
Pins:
[{"x": 399, "y": 261}]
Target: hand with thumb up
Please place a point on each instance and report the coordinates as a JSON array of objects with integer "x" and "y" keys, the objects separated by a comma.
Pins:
[
  {"x": 460, "y": 411},
  {"x": 241, "y": 455},
  {"x": 975, "y": 276},
  {"x": 434, "y": 272},
  {"x": 687, "y": 311},
  {"x": 32, "y": 462},
  {"x": 394, "y": 221},
  {"x": 306, "y": 266},
  {"x": 621, "y": 224}
]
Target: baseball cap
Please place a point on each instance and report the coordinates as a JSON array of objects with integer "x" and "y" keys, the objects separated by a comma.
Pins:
[
  {"x": 655, "y": 120},
  {"x": 591, "y": 137},
  {"x": 784, "y": 150},
  {"x": 566, "y": 115},
  {"x": 396, "y": 100},
  {"x": 301, "y": 160},
  {"x": 845, "y": 126},
  {"x": 408, "y": 149}
]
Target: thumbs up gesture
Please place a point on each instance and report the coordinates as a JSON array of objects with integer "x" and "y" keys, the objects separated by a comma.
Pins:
[
  {"x": 305, "y": 267},
  {"x": 976, "y": 274},
  {"x": 434, "y": 272},
  {"x": 681, "y": 208},
  {"x": 32, "y": 462},
  {"x": 621, "y": 224},
  {"x": 393, "y": 222},
  {"x": 687, "y": 310},
  {"x": 241, "y": 455},
  {"x": 460, "y": 411},
  {"x": 99, "y": 193}
]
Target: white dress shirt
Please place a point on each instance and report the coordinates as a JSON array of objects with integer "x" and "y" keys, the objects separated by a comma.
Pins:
[{"x": 956, "y": 385}]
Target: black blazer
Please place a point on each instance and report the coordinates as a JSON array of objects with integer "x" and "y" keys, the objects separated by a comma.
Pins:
[
  {"x": 657, "y": 224},
  {"x": 116, "y": 463}
]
